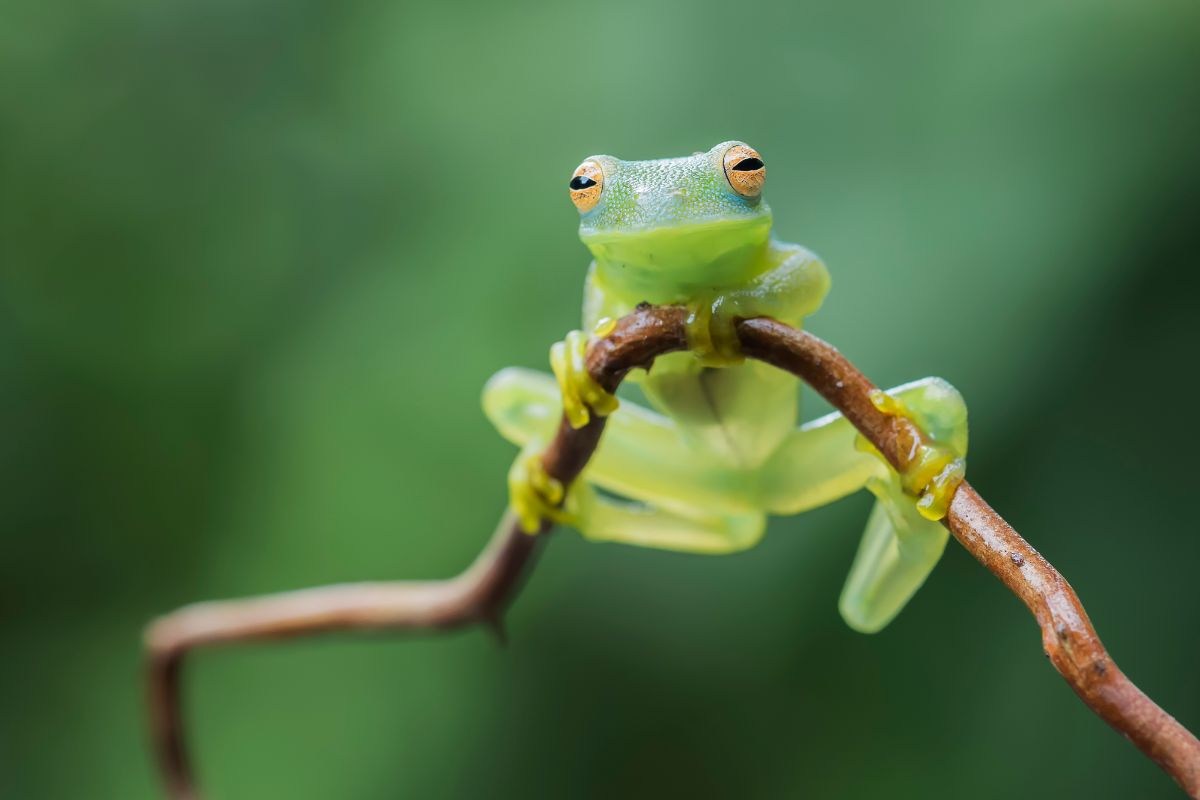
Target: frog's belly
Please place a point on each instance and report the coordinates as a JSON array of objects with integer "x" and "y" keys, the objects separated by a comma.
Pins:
[{"x": 738, "y": 415}]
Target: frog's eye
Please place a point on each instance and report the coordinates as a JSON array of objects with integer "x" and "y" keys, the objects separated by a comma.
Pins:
[
  {"x": 586, "y": 184},
  {"x": 745, "y": 170}
]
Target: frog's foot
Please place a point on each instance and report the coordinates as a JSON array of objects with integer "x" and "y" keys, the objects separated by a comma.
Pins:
[
  {"x": 533, "y": 494},
  {"x": 581, "y": 395},
  {"x": 929, "y": 470},
  {"x": 712, "y": 332}
]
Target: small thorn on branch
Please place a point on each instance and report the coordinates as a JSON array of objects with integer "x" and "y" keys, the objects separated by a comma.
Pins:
[{"x": 494, "y": 622}]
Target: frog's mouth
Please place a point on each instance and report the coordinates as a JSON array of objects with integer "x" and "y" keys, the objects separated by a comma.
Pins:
[
  {"x": 659, "y": 262},
  {"x": 684, "y": 246}
]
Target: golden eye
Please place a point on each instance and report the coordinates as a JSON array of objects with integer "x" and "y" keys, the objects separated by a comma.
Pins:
[
  {"x": 586, "y": 184},
  {"x": 745, "y": 170}
]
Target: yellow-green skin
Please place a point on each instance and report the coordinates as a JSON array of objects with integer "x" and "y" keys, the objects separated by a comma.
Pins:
[{"x": 721, "y": 449}]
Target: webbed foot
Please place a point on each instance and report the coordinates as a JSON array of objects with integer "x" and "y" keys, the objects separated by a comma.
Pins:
[
  {"x": 930, "y": 471},
  {"x": 581, "y": 395}
]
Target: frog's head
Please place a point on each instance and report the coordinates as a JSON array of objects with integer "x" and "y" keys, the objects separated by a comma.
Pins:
[{"x": 684, "y": 221}]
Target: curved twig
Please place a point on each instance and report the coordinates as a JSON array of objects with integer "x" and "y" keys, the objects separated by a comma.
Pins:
[
  {"x": 482, "y": 592},
  {"x": 1067, "y": 635},
  {"x": 478, "y": 595}
]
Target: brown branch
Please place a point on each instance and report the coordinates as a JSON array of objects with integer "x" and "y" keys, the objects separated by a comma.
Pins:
[
  {"x": 481, "y": 593},
  {"x": 478, "y": 595},
  {"x": 1067, "y": 635}
]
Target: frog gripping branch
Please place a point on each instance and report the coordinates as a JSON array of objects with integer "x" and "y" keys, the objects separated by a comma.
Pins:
[
  {"x": 690, "y": 296},
  {"x": 720, "y": 450}
]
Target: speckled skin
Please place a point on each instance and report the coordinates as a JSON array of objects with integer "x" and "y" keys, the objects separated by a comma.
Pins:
[
  {"x": 640, "y": 196},
  {"x": 673, "y": 231},
  {"x": 721, "y": 449}
]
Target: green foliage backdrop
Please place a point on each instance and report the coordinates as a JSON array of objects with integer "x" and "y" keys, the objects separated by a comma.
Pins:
[{"x": 257, "y": 259}]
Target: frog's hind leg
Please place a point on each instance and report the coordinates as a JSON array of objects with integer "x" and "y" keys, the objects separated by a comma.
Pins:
[
  {"x": 820, "y": 464},
  {"x": 900, "y": 547},
  {"x": 523, "y": 404},
  {"x": 642, "y": 455},
  {"x": 681, "y": 500},
  {"x": 611, "y": 520}
]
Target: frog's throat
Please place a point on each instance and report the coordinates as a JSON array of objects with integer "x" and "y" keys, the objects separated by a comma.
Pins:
[{"x": 672, "y": 263}]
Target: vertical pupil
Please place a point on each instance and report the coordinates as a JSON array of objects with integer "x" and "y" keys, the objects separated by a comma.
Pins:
[{"x": 582, "y": 182}]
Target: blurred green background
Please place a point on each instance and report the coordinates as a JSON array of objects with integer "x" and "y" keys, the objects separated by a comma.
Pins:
[{"x": 257, "y": 259}]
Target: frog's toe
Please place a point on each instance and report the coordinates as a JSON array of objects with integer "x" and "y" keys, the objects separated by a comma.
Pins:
[
  {"x": 532, "y": 493},
  {"x": 581, "y": 395},
  {"x": 931, "y": 470},
  {"x": 712, "y": 332}
]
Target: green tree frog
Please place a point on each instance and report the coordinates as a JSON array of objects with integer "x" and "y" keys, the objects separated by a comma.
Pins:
[{"x": 719, "y": 449}]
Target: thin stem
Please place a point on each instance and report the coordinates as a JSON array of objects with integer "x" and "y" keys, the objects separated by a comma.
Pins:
[
  {"x": 479, "y": 595},
  {"x": 1067, "y": 635},
  {"x": 483, "y": 591}
]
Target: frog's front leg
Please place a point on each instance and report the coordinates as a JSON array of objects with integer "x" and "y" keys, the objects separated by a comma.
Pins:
[
  {"x": 792, "y": 285},
  {"x": 821, "y": 463}
]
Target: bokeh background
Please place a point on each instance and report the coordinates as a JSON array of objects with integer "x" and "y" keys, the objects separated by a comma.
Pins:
[{"x": 257, "y": 259}]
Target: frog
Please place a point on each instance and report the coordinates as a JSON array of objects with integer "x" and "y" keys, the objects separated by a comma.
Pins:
[{"x": 715, "y": 448}]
